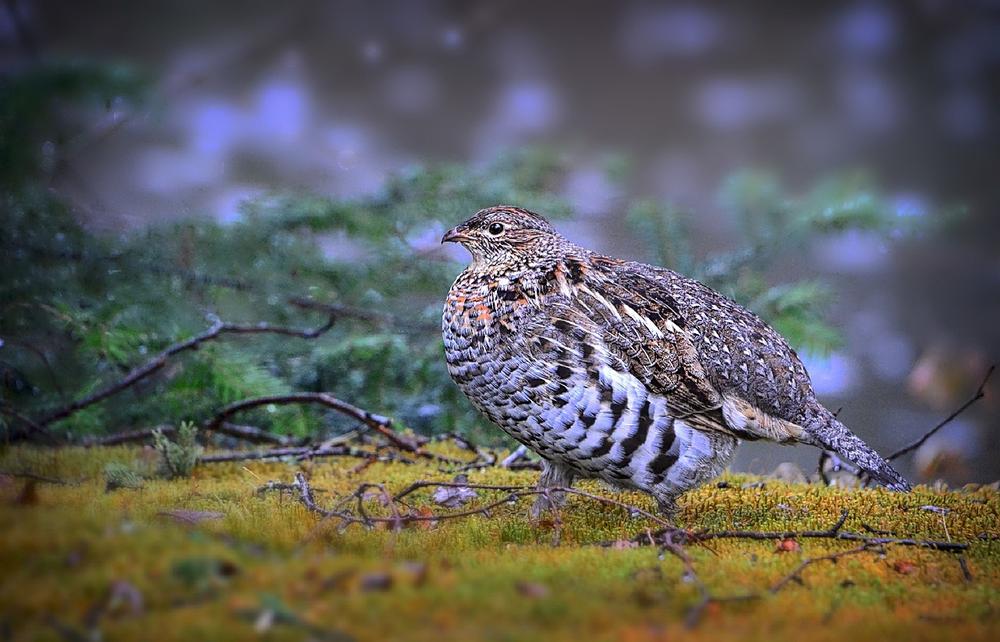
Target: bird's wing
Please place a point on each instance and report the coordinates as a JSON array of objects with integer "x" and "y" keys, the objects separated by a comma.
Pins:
[
  {"x": 632, "y": 320},
  {"x": 631, "y": 323}
]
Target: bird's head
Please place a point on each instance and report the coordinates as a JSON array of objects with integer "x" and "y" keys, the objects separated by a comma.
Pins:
[{"x": 504, "y": 235}]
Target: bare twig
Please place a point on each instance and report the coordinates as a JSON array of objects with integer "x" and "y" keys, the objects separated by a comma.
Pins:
[
  {"x": 33, "y": 426},
  {"x": 302, "y": 453},
  {"x": 44, "y": 359},
  {"x": 239, "y": 431},
  {"x": 139, "y": 373},
  {"x": 306, "y": 494},
  {"x": 379, "y": 423},
  {"x": 980, "y": 393},
  {"x": 377, "y": 318},
  {"x": 252, "y": 434},
  {"x": 834, "y": 532},
  {"x": 670, "y": 539},
  {"x": 796, "y": 574},
  {"x": 128, "y": 436}
]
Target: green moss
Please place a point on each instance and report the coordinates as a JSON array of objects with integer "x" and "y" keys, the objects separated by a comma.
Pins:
[{"x": 496, "y": 577}]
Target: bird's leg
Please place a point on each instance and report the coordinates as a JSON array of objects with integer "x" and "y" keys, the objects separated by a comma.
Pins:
[{"x": 553, "y": 476}]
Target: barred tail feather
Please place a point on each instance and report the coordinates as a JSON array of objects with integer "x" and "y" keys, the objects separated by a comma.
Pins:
[{"x": 833, "y": 435}]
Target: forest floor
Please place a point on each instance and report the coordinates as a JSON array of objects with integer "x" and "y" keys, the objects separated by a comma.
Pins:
[{"x": 213, "y": 557}]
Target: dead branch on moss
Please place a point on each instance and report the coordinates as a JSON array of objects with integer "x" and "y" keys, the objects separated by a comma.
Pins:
[
  {"x": 351, "y": 510},
  {"x": 397, "y": 520},
  {"x": 303, "y": 453},
  {"x": 128, "y": 436},
  {"x": 834, "y": 532},
  {"x": 796, "y": 574},
  {"x": 33, "y": 427},
  {"x": 979, "y": 394},
  {"x": 669, "y": 536},
  {"x": 251, "y": 434},
  {"x": 379, "y": 423},
  {"x": 137, "y": 374}
]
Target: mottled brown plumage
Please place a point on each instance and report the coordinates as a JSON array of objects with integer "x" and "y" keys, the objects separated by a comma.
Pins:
[{"x": 623, "y": 371}]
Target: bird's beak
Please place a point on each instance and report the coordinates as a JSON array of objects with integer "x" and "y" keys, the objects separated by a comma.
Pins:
[{"x": 456, "y": 235}]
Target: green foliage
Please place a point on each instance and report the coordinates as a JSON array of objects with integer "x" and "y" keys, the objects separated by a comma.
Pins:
[
  {"x": 118, "y": 475},
  {"x": 770, "y": 223},
  {"x": 178, "y": 457},
  {"x": 79, "y": 309}
]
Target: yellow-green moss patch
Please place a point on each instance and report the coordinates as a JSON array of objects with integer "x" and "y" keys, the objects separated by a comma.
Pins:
[{"x": 252, "y": 566}]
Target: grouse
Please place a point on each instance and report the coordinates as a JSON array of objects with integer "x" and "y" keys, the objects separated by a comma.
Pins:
[{"x": 617, "y": 370}]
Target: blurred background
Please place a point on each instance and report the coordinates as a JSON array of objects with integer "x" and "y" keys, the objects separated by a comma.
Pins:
[{"x": 833, "y": 166}]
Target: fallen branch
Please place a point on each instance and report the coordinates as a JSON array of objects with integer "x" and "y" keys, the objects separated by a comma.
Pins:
[
  {"x": 127, "y": 436},
  {"x": 796, "y": 574},
  {"x": 139, "y": 373},
  {"x": 377, "y": 318},
  {"x": 33, "y": 426},
  {"x": 980, "y": 393},
  {"x": 251, "y": 434},
  {"x": 379, "y": 423},
  {"x": 670, "y": 539},
  {"x": 834, "y": 532},
  {"x": 302, "y": 453}
]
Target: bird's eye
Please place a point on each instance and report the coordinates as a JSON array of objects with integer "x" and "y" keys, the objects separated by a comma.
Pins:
[{"x": 496, "y": 229}]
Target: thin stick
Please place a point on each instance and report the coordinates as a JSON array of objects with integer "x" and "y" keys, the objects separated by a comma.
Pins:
[
  {"x": 980, "y": 393},
  {"x": 834, "y": 532},
  {"x": 27, "y": 421},
  {"x": 670, "y": 540},
  {"x": 796, "y": 574},
  {"x": 301, "y": 453},
  {"x": 239, "y": 431},
  {"x": 139, "y": 373},
  {"x": 381, "y": 424}
]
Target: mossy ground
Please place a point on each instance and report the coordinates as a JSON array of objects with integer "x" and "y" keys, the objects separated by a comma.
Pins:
[{"x": 269, "y": 569}]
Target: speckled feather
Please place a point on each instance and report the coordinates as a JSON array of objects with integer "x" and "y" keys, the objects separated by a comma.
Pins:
[{"x": 623, "y": 371}]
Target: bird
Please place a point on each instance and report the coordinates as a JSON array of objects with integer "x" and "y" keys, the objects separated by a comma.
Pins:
[{"x": 621, "y": 371}]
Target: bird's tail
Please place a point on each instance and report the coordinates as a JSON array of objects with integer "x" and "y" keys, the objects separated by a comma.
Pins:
[{"x": 829, "y": 433}]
